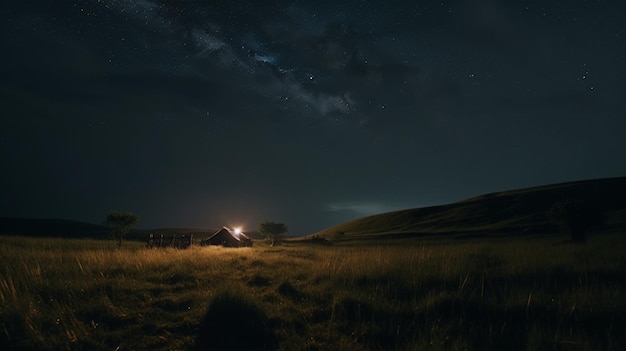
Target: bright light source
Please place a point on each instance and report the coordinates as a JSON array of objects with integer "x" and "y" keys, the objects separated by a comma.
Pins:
[{"x": 237, "y": 231}]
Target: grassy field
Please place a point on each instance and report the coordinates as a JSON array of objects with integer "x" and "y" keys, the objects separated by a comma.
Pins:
[{"x": 418, "y": 294}]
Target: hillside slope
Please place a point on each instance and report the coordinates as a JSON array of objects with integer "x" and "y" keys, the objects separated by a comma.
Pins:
[{"x": 515, "y": 211}]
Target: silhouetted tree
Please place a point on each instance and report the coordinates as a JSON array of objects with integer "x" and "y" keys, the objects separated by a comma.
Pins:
[
  {"x": 273, "y": 232},
  {"x": 120, "y": 223},
  {"x": 575, "y": 217}
]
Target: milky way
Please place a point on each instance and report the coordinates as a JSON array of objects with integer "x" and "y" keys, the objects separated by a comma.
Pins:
[{"x": 306, "y": 112}]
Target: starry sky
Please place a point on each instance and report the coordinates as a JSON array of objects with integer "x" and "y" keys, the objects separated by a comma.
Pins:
[{"x": 310, "y": 113}]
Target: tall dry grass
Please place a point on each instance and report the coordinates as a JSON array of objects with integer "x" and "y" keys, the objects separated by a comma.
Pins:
[{"x": 420, "y": 294}]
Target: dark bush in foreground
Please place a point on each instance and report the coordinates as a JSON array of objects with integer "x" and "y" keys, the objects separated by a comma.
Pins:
[{"x": 233, "y": 323}]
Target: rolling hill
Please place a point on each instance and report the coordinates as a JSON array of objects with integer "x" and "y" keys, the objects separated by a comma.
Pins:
[
  {"x": 503, "y": 213},
  {"x": 521, "y": 211},
  {"x": 44, "y": 227}
]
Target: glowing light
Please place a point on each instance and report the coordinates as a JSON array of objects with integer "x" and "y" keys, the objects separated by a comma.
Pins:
[{"x": 237, "y": 231}]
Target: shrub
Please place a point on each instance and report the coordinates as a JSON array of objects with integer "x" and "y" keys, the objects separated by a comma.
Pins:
[
  {"x": 235, "y": 323},
  {"x": 575, "y": 217}
]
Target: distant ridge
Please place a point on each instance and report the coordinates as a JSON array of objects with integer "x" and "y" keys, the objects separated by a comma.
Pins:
[
  {"x": 518, "y": 211},
  {"x": 62, "y": 228},
  {"x": 47, "y": 227}
]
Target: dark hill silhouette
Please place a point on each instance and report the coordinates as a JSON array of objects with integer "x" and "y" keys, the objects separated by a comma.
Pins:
[
  {"x": 508, "y": 212},
  {"x": 59, "y": 228},
  {"x": 62, "y": 228}
]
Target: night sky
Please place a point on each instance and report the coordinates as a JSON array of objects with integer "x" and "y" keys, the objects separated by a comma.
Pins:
[{"x": 311, "y": 113}]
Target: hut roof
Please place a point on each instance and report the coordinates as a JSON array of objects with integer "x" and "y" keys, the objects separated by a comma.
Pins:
[{"x": 228, "y": 233}]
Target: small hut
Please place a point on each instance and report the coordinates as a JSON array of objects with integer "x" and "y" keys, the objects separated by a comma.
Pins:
[{"x": 227, "y": 237}]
